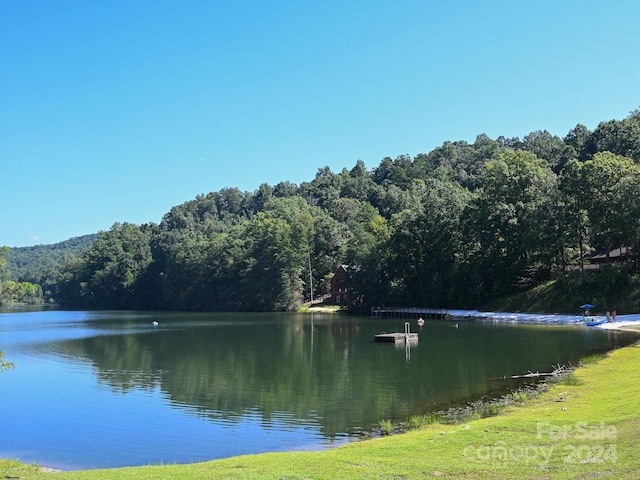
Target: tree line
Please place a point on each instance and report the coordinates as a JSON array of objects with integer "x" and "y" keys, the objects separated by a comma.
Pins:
[
  {"x": 30, "y": 275},
  {"x": 15, "y": 292},
  {"x": 455, "y": 227}
]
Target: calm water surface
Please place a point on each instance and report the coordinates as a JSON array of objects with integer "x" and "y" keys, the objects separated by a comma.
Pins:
[{"x": 108, "y": 389}]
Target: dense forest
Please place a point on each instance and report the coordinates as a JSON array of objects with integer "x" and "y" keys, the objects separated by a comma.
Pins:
[
  {"x": 31, "y": 274},
  {"x": 458, "y": 226}
]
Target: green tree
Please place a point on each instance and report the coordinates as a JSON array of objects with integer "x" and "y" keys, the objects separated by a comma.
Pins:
[
  {"x": 512, "y": 219},
  {"x": 577, "y": 138},
  {"x": 227, "y": 257},
  {"x": 3, "y": 273},
  {"x": 426, "y": 243},
  {"x": 3, "y": 263},
  {"x": 324, "y": 188},
  {"x": 329, "y": 240},
  {"x": 11, "y": 291},
  {"x": 573, "y": 225},
  {"x": 610, "y": 185},
  {"x": 461, "y": 162},
  {"x": 22, "y": 292},
  {"x": 368, "y": 256},
  {"x": 285, "y": 189},
  {"x": 5, "y": 364},
  {"x": 358, "y": 183},
  {"x": 178, "y": 270},
  {"x": 261, "y": 197},
  {"x": 112, "y": 265},
  {"x": 43, "y": 265},
  {"x": 621, "y": 137},
  {"x": 279, "y": 250},
  {"x": 548, "y": 147}
]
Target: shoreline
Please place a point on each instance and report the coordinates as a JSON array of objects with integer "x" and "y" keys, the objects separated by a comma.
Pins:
[
  {"x": 622, "y": 321},
  {"x": 623, "y": 325}
]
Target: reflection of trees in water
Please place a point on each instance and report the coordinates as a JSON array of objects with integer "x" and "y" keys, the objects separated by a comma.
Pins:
[
  {"x": 328, "y": 375},
  {"x": 227, "y": 372},
  {"x": 122, "y": 362}
]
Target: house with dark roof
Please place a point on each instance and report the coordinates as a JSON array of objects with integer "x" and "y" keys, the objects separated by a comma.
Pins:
[
  {"x": 339, "y": 293},
  {"x": 616, "y": 257}
]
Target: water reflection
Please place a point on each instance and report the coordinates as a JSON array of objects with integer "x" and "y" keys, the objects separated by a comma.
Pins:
[
  {"x": 315, "y": 368},
  {"x": 226, "y": 384}
]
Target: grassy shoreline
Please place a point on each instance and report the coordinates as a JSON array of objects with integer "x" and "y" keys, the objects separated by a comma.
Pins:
[{"x": 584, "y": 426}]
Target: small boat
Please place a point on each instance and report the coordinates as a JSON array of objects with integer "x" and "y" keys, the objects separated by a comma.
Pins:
[
  {"x": 592, "y": 322},
  {"x": 420, "y": 322}
]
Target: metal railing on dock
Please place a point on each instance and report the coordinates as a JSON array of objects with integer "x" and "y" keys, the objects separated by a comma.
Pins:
[{"x": 411, "y": 312}]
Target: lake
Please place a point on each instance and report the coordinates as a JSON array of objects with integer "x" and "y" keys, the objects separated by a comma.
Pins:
[{"x": 110, "y": 389}]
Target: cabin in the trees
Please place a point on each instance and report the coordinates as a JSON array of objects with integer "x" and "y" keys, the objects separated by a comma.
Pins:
[
  {"x": 338, "y": 290},
  {"x": 617, "y": 257}
]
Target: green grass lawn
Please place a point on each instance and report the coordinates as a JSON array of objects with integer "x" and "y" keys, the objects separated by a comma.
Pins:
[{"x": 587, "y": 426}]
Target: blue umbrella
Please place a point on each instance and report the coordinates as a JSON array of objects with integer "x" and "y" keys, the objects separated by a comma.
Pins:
[{"x": 587, "y": 305}]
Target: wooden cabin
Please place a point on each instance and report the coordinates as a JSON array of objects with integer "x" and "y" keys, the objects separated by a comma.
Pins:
[
  {"x": 339, "y": 293},
  {"x": 616, "y": 257}
]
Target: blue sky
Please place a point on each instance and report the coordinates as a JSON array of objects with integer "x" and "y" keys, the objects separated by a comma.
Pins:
[{"x": 115, "y": 111}]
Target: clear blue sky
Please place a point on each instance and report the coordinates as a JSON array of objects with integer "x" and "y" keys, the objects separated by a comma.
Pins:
[{"x": 115, "y": 111}]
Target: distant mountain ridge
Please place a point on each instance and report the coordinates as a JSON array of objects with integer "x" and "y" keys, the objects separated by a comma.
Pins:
[{"x": 34, "y": 264}]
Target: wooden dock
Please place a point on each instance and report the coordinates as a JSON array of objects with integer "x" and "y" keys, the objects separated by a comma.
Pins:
[{"x": 411, "y": 312}]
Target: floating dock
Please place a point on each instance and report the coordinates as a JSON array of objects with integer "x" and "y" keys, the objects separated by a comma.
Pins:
[
  {"x": 406, "y": 337},
  {"x": 396, "y": 337}
]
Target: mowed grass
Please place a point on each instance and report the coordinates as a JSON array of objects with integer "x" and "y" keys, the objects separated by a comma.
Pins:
[{"x": 585, "y": 427}]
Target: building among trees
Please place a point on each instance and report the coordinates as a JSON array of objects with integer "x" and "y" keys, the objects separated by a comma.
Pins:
[{"x": 339, "y": 291}]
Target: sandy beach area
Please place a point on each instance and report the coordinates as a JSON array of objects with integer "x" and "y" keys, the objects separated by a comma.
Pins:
[
  {"x": 623, "y": 322},
  {"x": 630, "y": 322}
]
